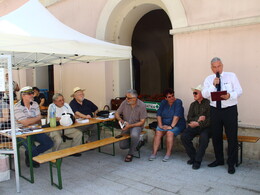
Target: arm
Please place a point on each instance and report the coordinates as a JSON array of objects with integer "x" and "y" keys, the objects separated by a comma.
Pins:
[
  {"x": 42, "y": 102},
  {"x": 80, "y": 115},
  {"x": 31, "y": 121},
  {"x": 5, "y": 117},
  {"x": 138, "y": 124},
  {"x": 208, "y": 87},
  {"x": 117, "y": 115}
]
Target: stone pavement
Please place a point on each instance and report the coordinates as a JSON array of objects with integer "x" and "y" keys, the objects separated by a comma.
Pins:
[{"x": 98, "y": 173}]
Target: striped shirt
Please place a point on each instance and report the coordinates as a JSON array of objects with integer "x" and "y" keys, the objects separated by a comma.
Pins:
[{"x": 21, "y": 112}]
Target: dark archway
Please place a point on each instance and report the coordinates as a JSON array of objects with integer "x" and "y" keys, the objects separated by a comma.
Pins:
[{"x": 153, "y": 53}]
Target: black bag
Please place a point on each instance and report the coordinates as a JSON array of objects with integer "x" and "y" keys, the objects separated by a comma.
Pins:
[
  {"x": 153, "y": 125},
  {"x": 104, "y": 113}
]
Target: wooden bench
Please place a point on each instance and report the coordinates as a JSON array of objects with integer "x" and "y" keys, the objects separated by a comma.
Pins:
[
  {"x": 6, "y": 145},
  {"x": 55, "y": 158},
  {"x": 241, "y": 139}
]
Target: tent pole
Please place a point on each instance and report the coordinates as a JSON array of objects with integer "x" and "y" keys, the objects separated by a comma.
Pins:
[{"x": 131, "y": 73}]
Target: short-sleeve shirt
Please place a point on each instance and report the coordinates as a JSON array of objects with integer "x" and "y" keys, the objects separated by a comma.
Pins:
[
  {"x": 59, "y": 110},
  {"x": 132, "y": 115},
  {"x": 86, "y": 108},
  {"x": 21, "y": 112},
  {"x": 167, "y": 112},
  {"x": 38, "y": 98}
]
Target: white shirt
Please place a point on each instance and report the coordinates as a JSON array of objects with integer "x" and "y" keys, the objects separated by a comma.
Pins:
[
  {"x": 229, "y": 83},
  {"x": 59, "y": 111}
]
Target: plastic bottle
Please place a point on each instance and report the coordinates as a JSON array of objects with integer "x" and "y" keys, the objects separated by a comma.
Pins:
[{"x": 53, "y": 116}]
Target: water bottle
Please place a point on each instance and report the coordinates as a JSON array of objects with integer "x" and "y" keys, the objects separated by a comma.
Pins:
[{"x": 53, "y": 116}]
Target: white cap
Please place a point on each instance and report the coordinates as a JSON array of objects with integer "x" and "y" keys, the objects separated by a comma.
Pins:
[{"x": 27, "y": 89}]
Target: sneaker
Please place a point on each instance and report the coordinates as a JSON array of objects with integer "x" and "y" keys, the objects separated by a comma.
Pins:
[
  {"x": 165, "y": 158},
  {"x": 152, "y": 157}
]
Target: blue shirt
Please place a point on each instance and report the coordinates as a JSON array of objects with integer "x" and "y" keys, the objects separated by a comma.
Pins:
[
  {"x": 86, "y": 108},
  {"x": 167, "y": 113}
]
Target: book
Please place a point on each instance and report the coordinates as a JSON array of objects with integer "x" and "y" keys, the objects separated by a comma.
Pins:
[
  {"x": 215, "y": 96},
  {"x": 122, "y": 125}
]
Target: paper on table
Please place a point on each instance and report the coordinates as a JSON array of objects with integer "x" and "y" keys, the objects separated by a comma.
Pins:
[
  {"x": 215, "y": 96},
  {"x": 80, "y": 120}
]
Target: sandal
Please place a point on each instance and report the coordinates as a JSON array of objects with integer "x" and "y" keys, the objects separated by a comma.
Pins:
[{"x": 128, "y": 158}]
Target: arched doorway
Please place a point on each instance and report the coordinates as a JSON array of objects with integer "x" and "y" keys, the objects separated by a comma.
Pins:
[
  {"x": 152, "y": 50},
  {"x": 116, "y": 24}
]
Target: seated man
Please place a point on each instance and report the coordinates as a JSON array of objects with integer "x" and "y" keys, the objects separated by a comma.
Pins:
[
  {"x": 85, "y": 109},
  {"x": 26, "y": 113},
  {"x": 61, "y": 107},
  {"x": 198, "y": 124},
  {"x": 133, "y": 113}
]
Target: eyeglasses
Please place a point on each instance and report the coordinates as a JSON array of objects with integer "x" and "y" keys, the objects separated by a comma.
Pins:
[{"x": 195, "y": 93}]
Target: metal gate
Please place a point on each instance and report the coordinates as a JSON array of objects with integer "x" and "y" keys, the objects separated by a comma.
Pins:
[{"x": 8, "y": 143}]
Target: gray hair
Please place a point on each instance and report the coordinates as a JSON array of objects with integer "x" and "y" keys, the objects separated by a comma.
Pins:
[
  {"x": 215, "y": 59},
  {"x": 56, "y": 95},
  {"x": 133, "y": 92}
]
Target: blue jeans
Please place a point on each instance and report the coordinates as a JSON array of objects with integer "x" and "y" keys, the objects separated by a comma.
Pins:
[{"x": 45, "y": 143}]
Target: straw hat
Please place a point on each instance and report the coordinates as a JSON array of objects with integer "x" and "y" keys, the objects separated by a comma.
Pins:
[{"x": 75, "y": 90}]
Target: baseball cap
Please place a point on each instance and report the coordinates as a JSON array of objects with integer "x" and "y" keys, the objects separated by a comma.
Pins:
[{"x": 27, "y": 89}]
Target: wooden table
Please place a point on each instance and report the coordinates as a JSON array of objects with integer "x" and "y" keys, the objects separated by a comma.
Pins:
[{"x": 28, "y": 136}]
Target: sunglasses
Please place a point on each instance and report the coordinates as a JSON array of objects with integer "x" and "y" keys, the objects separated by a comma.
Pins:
[
  {"x": 28, "y": 93},
  {"x": 129, "y": 98},
  {"x": 195, "y": 93},
  {"x": 170, "y": 96}
]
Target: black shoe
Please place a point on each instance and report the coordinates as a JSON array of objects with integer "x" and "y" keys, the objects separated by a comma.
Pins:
[
  {"x": 27, "y": 162},
  {"x": 76, "y": 155},
  {"x": 231, "y": 169},
  {"x": 140, "y": 144},
  {"x": 215, "y": 164},
  {"x": 190, "y": 162},
  {"x": 196, "y": 165},
  {"x": 36, "y": 165}
]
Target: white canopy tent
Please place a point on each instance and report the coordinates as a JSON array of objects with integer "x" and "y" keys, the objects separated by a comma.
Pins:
[{"x": 34, "y": 37}]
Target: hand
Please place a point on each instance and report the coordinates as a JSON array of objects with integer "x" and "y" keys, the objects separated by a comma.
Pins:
[
  {"x": 127, "y": 126},
  {"x": 88, "y": 116},
  {"x": 225, "y": 97},
  {"x": 165, "y": 127},
  {"x": 201, "y": 118},
  {"x": 193, "y": 124},
  {"x": 216, "y": 81}
]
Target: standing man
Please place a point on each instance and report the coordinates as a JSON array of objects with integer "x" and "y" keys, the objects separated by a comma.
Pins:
[
  {"x": 85, "y": 109},
  {"x": 132, "y": 112},
  {"x": 26, "y": 113},
  {"x": 62, "y": 107},
  {"x": 223, "y": 113},
  {"x": 198, "y": 120}
]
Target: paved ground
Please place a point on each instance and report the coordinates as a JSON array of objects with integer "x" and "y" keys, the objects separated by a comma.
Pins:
[{"x": 97, "y": 173}]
